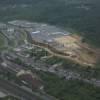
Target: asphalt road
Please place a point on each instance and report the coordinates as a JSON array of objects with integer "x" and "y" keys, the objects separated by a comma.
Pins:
[{"x": 17, "y": 91}]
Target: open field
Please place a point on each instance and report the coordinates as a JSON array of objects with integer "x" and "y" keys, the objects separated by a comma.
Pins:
[
  {"x": 71, "y": 47},
  {"x": 77, "y": 50}
]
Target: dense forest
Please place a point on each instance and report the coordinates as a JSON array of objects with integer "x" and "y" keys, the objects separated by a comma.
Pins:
[{"x": 82, "y": 16}]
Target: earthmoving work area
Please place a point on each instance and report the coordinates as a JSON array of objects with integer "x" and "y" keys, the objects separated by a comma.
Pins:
[
  {"x": 76, "y": 50},
  {"x": 60, "y": 42},
  {"x": 70, "y": 47}
]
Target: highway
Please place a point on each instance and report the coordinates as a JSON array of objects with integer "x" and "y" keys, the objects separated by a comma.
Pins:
[
  {"x": 17, "y": 91},
  {"x": 14, "y": 68}
]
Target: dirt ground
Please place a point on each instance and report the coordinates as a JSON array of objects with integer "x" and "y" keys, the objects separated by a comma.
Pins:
[{"x": 77, "y": 50}]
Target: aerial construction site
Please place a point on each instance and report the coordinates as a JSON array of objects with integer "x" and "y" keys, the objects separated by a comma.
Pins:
[{"x": 60, "y": 42}]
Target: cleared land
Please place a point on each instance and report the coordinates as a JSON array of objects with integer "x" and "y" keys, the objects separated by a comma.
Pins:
[
  {"x": 77, "y": 50},
  {"x": 60, "y": 42},
  {"x": 71, "y": 47}
]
